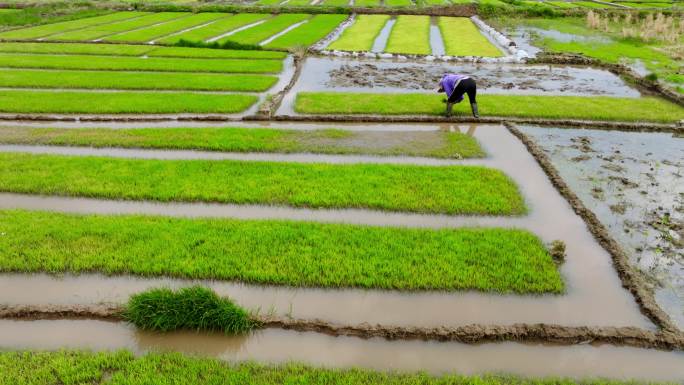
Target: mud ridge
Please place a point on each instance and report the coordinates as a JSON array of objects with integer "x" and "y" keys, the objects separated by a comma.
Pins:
[
  {"x": 594, "y": 124},
  {"x": 649, "y": 86},
  {"x": 631, "y": 279},
  {"x": 469, "y": 334},
  {"x": 269, "y": 107}
]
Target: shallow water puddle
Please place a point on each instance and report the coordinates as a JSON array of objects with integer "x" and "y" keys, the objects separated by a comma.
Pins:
[
  {"x": 381, "y": 41},
  {"x": 634, "y": 182},
  {"x": 279, "y": 346},
  {"x": 436, "y": 41},
  {"x": 594, "y": 293}
]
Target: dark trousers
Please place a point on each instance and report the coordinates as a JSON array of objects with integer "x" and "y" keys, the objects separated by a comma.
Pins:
[{"x": 465, "y": 86}]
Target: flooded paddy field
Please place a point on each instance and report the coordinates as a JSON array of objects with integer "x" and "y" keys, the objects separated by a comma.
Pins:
[
  {"x": 279, "y": 346},
  {"x": 592, "y": 285},
  {"x": 633, "y": 182}
]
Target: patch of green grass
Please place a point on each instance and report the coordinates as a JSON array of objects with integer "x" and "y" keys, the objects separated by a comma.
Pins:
[
  {"x": 191, "y": 308},
  {"x": 134, "y": 80},
  {"x": 50, "y": 29},
  {"x": 76, "y": 48},
  {"x": 398, "y": 3},
  {"x": 104, "y": 30},
  {"x": 590, "y": 4},
  {"x": 80, "y": 367},
  {"x": 270, "y": 27},
  {"x": 92, "y": 62},
  {"x": 309, "y": 33},
  {"x": 297, "y": 254},
  {"x": 462, "y": 38},
  {"x": 649, "y": 109},
  {"x": 410, "y": 35},
  {"x": 217, "y": 28},
  {"x": 440, "y": 144},
  {"x": 366, "y": 3},
  {"x": 206, "y": 53},
  {"x": 150, "y": 33},
  {"x": 360, "y": 35},
  {"x": 136, "y": 50},
  {"x": 72, "y": 102},
  {"x": 335, "y": 3},
  {"x": 427, "y": 189}
]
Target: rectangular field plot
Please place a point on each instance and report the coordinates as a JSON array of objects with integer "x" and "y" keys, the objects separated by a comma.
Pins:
[
  {"x": 367, "y": 3},
  {"x": 526, "y": 106},
  {"x": 270, "y": 27},
  {"x": 50, "y": 29},
  {"x": 161, "y": 30},
  {"x": 336, "y": 3},
  {"x": 216, "y": 28},
  {"x": 280, "y": 252},
  {"x": 136, "y": 50},
  {"x": 426, "y": 189},
  {"x": 360, "y": 35},
  {"x": 134, "y": 80},
  {"x": 410, "y": 35},
  {"x": 438, "y": 144},
  {"x": 101, "y": 31},
  {"x": 308, "y": 33},
  {"x": 92, "y": 62},
  {"x": 74, "y": 102},
  {"x": 206, "y": 53},
  {"x": 462, "y": 38},
  {"x": 76, "y": 48}
]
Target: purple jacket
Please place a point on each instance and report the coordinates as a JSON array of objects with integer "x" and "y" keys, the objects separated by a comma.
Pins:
[{"x": 449, "y": 83}]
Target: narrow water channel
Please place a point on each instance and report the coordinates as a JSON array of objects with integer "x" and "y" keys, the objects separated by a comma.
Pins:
[{"x": 280, "y": 346}]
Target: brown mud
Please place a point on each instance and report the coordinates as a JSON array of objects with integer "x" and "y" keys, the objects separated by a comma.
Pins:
[
  {"x": 468, "y": 334},
  {"x": 510, "y": 78},
  {"x": 631, "y": 279}
]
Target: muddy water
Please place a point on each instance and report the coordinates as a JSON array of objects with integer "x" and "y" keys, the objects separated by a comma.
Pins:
[
  {"x": 436, "y": 41},
  {"x": 594, "y": 294},
  {"x": 381, "y": 41},
  {"x": 279, "y": 346},
  {"x": 213, "y": 155},
  {"x": 634, "y": 182},
  {"x": 321, "y": 74}
]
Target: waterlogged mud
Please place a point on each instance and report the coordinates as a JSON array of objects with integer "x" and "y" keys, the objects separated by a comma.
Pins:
[
  {"x": 594, "y": 295},
  {"x": 634, "y": 182},
  {"x": 512, "y": 78},
  {"x": 279, "y": 346}
]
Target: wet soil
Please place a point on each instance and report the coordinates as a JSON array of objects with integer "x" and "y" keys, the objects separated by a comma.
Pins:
[
  {"x": 278, "y": 346},
  {"x": 594, "y": 295},
  {"x": 500, "y": 78},
  {"x": 634, "y": 183}
]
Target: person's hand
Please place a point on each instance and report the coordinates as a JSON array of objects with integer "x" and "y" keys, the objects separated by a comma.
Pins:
[{"x": 444, "y": 100}]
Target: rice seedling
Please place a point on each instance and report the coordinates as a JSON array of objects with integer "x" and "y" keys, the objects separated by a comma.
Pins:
[
  {"x": 216, "y": 28},
  {"x": 360, "y": 35},
  {"x": 259, "y": 33},
  {"x": 462, "y": 38},
  {"x": 190, "y": 308},
  {"x": 161, "y": 30},
  {"x": 309, "y": 33},
  {"x": 103, "y": 30},
  {"x": 410, "y": 35},
  {"x": 50, "y": 29}
]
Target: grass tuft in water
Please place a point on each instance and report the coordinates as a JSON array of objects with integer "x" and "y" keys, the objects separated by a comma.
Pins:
[{"x": 194, "y": 308}]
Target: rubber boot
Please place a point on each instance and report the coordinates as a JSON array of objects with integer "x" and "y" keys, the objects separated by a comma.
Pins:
[
  {"x": 473, "y": 106},
  {"x": 450, "y": 106}
]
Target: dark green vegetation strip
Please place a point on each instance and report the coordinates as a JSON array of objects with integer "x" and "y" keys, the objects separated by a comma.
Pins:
[
  {"x": 48, "y": 368},
  {"x": 525, "y": 106},
  {"x": 427, "y": 189},
  {"x": 438, "y": 144},
  {"x": 279, "y": 252},
  {"x": 92, "y": 62},
  {"x": 191, "y": 308},
  {"x": 309, "y": 33},
  {"x": 134, "y": 80},
  {"x": 136, "y": 50},
  {"x": 49, "y": 29},
  {"x": 72, "y": 102}
]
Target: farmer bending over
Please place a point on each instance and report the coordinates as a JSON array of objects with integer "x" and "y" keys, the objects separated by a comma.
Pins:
[{"x": 455, "y": 86}]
